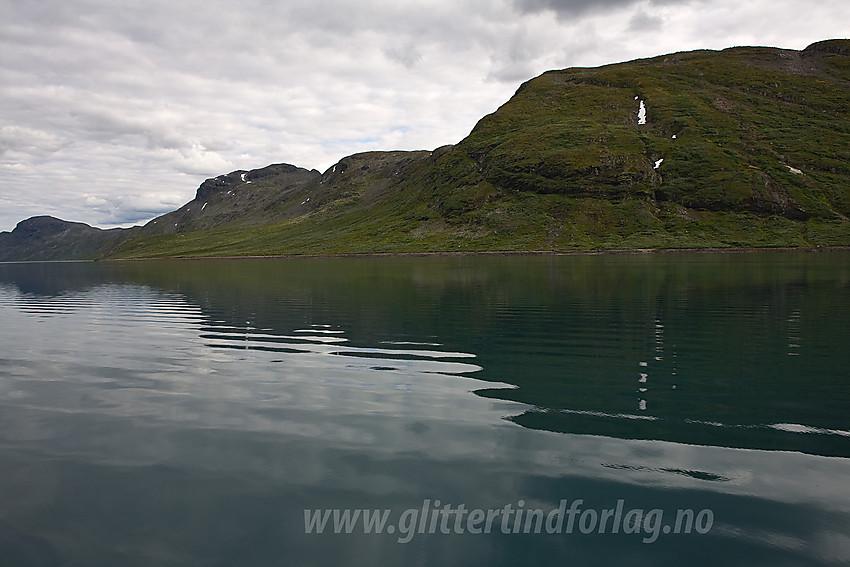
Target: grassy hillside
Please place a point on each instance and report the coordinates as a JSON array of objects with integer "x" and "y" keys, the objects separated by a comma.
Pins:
[{"x": 741, "y": 147}]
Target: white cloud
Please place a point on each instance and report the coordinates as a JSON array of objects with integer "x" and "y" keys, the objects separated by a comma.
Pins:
[
  {"x": 135, "y": 104},
  {"x": 197, "y": 160}
]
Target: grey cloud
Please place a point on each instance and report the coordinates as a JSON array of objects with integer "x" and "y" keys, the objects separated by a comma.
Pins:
[
  {"x": 516, "y": 56},
  {"x": 643, "y": 22},
  {"x": 408, "y": 54},
  {"x": 567, "y": 8},
  {"x": 129, "y": 209},
  {"x": 574, "y": 8},
  {"x": 21, "y": 142}
]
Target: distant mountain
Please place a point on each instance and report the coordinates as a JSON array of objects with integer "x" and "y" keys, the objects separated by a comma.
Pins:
[
  {"x": 49, "y": 238},
  {"x": 748, "y": 146}
]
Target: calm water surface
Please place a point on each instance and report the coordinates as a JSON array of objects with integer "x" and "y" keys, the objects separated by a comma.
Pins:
[{"x": 189, "y": 412}]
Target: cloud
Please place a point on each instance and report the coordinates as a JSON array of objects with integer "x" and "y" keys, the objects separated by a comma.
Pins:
[
  {"x": 127, "y": 210},
  {"x": 197, "y": 160},
  {"x": 643, "y": 22},
  {"x": 135, "y": 104},
  {"x": 570, "y": 8},
  {"x": 21, "y": 144},
  {"x": 408, "y": 54}
]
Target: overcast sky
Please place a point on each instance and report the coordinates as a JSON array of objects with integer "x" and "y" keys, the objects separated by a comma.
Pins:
[{"x": 114, "y": 111}]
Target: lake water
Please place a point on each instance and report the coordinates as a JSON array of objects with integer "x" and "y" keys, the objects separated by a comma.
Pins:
[{"x": 670, "y": 409}]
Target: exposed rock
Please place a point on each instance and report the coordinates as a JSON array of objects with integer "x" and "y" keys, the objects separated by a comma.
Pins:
[{"x": 836, "y": 46}]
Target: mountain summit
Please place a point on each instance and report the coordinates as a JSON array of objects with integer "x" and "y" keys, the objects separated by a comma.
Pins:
[{"x": 749, "y": 146}]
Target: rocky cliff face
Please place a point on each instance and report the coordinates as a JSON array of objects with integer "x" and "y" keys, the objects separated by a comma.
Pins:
[
  {"x": 241, "y": 196},
  {"x": 836, "y": 46}
]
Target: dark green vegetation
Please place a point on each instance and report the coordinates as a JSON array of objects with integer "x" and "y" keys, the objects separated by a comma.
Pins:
[
  {"x": 755, "y": 144},
  {"x": 49, "y": 238}
]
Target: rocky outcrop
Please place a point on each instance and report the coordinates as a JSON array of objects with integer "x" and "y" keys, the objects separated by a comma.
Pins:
[{"x": 836, "y": 46}]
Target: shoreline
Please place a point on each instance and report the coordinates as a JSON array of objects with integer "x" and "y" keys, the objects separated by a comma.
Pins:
[
  {"x": 593, "y": 252},
  {"x": 448, "y": 253}
]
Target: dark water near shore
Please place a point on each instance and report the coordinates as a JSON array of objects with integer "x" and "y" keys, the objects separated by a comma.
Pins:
[{"x": 189, "y": 412}]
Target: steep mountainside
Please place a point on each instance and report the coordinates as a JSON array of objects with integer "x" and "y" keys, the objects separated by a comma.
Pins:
[{"x": 742, "y": 147}]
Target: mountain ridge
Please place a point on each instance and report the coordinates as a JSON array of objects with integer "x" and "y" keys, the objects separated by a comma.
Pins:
[{"x": 748, "y": 146}]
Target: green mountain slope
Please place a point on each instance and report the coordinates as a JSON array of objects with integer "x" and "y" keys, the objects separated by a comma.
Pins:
[
  {"x": 741, "y": 147},
  {"x": 755, "y": 144}
]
